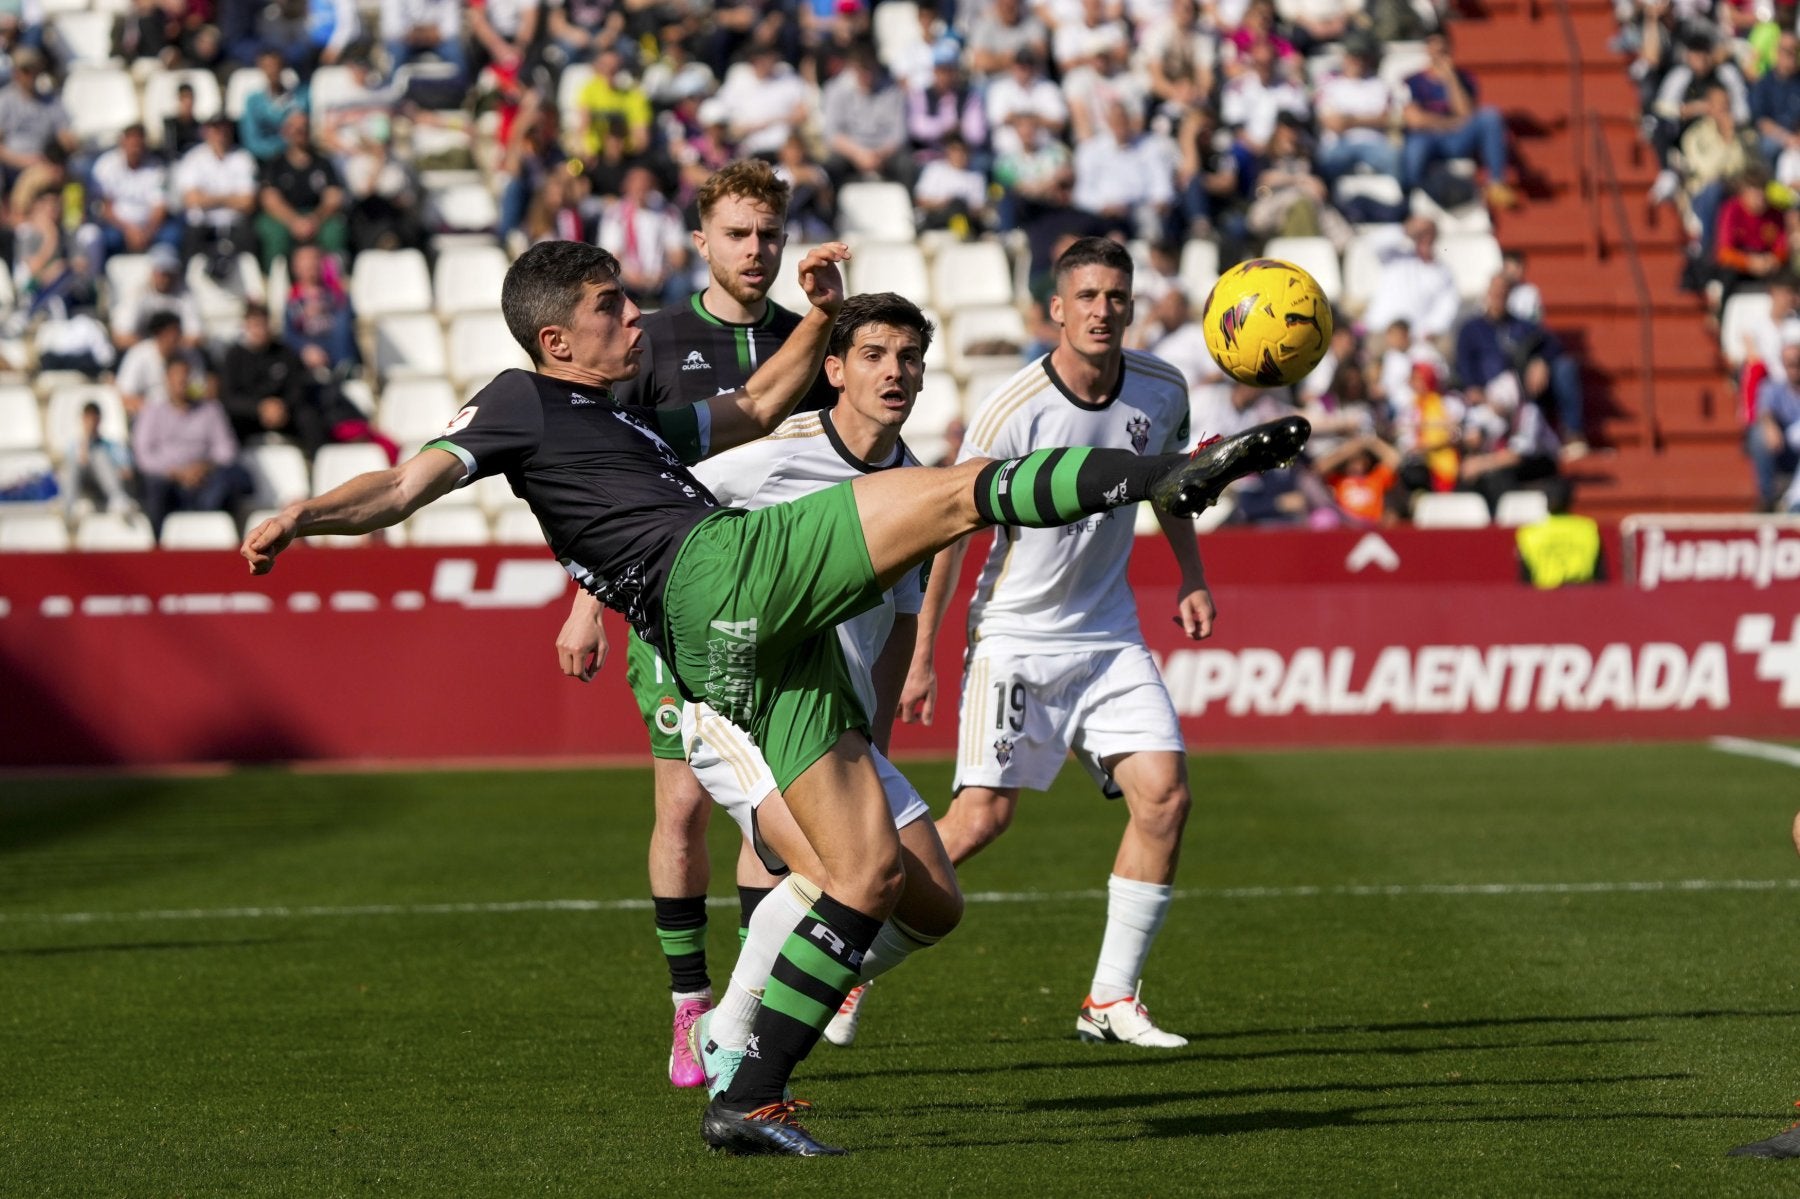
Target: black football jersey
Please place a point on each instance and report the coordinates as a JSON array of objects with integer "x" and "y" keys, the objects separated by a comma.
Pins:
[{"x": 693, "y": 356}]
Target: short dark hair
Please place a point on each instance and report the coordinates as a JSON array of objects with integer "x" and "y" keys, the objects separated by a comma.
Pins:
[
  {"x": 1093, "y": 251},
  {"x": 543, "y": 286},
  {"x": 158, "y": 321},
  {"x": 877, "y": 308}
]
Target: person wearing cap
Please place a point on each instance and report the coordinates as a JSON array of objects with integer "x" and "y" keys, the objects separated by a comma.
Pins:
[
  {"x": 216, "y": 185},
  {"x": 31, "y": 118}
]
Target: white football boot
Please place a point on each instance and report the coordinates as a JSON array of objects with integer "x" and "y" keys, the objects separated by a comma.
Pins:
[
  {"x": 842, "y": 1029},
  {"x": 1124, "y": 1021}
]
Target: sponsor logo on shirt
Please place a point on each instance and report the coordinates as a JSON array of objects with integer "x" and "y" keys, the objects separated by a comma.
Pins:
[
  {"x": 575, "y": 397},
  {"x": 695, "y": 361}
]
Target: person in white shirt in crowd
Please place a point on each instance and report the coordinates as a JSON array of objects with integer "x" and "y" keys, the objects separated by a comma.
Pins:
[
  {"x": 1415, "y": 287},
  {"x": 1087, "y": 36},
  {"x": 167, "y": 291},
  {"x": 131, "y": 194},
  {"x": 950, "y": 193},
  {"x": 1356, "y": 110},
  {"x": 647, "y": 234},
  {"x": 1024, "y": 86},
  {"x": 502, "y": 33},
  {"x": 1000, "y": 34},
  {"x": 1121, "y": 176},
  {"x": 410, "y": 28},
  {"x": 215, "y": 183},
  {"x": 140, "y": 376},
  {"x": 1177, "y": 57},
  {"x": 863, "y": 113},
  {"x": 767, "y": 101},
  {"x": 1253, "y": 100}
]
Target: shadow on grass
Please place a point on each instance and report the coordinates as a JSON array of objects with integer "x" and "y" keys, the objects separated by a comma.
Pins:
[{"x": 48, "y": 951}]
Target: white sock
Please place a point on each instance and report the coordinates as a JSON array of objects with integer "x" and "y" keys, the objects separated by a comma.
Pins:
[
  {"x": 681, "y": 997},
  {"x": 893, "y": 945},
  {"x": 775, "y": 917},
  {"x": 1134, "y": 913}
]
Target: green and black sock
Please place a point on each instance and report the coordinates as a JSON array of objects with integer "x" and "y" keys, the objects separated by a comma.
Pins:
[
  {"x": 819, "y": 964},
  {"x": 681, "y": 927},
  {"x": 1049, "y": 488},
  {"x": 748, "y": 898}
]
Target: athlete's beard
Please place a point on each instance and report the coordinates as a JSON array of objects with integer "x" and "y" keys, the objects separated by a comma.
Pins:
[{"x": 744, "y": 293}]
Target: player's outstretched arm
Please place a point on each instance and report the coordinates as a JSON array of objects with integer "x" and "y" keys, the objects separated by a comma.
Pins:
[
  {"x": 771, "y": 393},
  {"x": 368, "y": 502},
  {"x": 1194, "y": 610},
  {"x": 918, "y": 696},
  {"x": 581, "y": 645}
]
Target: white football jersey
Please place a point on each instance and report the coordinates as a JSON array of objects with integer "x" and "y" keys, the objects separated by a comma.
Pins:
[
  {"x": 1065, "y": 588},
  {"x": 804, "y": 454}
]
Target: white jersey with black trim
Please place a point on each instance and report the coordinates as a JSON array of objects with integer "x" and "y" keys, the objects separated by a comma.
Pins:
[
  {"x": 802, "y": 455},
  {"x": 1064, "y": 589}
]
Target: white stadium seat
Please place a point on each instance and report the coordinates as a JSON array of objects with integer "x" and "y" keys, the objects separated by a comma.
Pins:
[
  {"x": 468, "y": 279},
  {"x": 340, "y": 463},
  {"x": 895, "y": 24},
  {"x": 389, "y": 282},
  {"x": 1362, "y": 262},
  {"x": 160, "y": 99},
  {"x": 1401, "y": 59},
  {"x": 1316, "y": 255},
  {"x": 415, "y": 409},
  {"x": 875, "y": 212},
  {"x": 1384, "y": 189},
  {"x": 21, "y": 425},
  {"x": 1743, "y": 311},
  {"x": 1450, "y": 510},
  {"x": 101, "y": 101},
  {"x": 786, "y": 288},
  {"x": 113, "y": 532},
  {"x": 979, "y": 387},
  {"x": 1473, "y": 259},
  {"x": 515, "y": 525},
  {"x": 199, "y": 531},
  {"x": 1521, "y": 508},
  {"x": 86, "y": 37},
  {"x": 888, "y": 266},
  {"x": 62, "y": 421},
  {"x": 970, "y": 274},
  {"x": 243, "y": 83},
  {"x": 329, "y": 86},
  {"x": 410, "y": 345},
  {"x": 986, "y": 338},
  {"x": 463, "y": 208},
  {"x": 38, "y": 531},
  {"x": 279, "y": 472},
  {"x": 481, "y": 346},
  {"x": 939, "y": 403},
  {"x": 127, "y": 276},
  {"x": 357, "y": 391},
  {"x": 1199, "y": 270},
  {"x": 457, "y": 525}
]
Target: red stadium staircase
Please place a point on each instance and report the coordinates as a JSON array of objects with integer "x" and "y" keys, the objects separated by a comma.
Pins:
[{"x": 1660, "y": 403}]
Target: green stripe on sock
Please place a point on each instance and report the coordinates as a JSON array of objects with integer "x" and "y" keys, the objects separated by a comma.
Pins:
[
  {"x": 1062, "y": 484},
  {"x": 1021, "y": 498},
  {"x": 779, "y": 997},
  {"x": 819, "y": 964},
  {"x": 679, "y": 941}
]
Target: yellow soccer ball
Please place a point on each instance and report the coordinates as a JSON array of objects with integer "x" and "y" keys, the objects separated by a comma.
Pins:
[{"x": 1267, "y": 323}]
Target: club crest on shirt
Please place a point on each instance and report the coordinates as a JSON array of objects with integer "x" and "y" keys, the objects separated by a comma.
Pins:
[
  {"x": 1003, "y": 750},
  {"x": 1139, "y": 428},
  {"x": 695, "y": 361}
]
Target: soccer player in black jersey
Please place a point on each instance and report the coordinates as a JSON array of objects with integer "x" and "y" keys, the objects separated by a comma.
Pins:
[
  {"x": 744, "y": 605},
  {"x": 711, "y": 344}
]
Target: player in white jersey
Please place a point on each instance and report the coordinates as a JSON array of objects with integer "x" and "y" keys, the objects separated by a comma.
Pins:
[{"x": 1056, "y": 659}]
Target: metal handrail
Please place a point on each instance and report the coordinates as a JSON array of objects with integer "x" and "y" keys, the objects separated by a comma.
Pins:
[{"x": 1607, "y": 180}]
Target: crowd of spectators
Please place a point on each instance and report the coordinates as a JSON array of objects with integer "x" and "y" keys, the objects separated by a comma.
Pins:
[{"x": 1028, "y": 121}]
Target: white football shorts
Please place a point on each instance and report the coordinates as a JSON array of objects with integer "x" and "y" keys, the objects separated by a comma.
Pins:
[
  {"x": 733, "y": 771},
  {"x": 1022, "y": 714}
]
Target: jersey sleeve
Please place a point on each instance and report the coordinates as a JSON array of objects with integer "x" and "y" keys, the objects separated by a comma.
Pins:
[
  {"x": 909, "y": 592},
  {"x": 738, "y": 475},
  {"x": 497, "y": 430},
  {"x": 687, "y": 428},
  {"x": 1183, "y": 433}
]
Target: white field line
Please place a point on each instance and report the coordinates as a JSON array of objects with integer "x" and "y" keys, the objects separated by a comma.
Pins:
[
  {"x": 1335, "y": 891},
  {"x": 1787, "y": 755}
]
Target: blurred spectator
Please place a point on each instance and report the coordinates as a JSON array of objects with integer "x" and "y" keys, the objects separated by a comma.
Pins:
[
  {"x": 1429, "y": 435},
  {"x": 1773, "y": 441},
  {"x": 1292, "y": 201},
  {"x": 1210, "y": 178},
  {"x": 266, "y": 390},
  {"x": 1177, "y": 57},
  {"x": 1764, "y": 336},
  {"x": 302, "y": 198},
  {"x": 950, "y": 193},
  {"x": 1356, "y": 114},
  {"x": 410, "y": 28},
  {"x": 1681, "y": 99},
  {"x": 260, "y": 129},
  {"x": 1415, "y": 287},
  {"x": 77, "y": 342},
  {"x": 185, "y": 453},
  {"x": 1122, "y": 177},
  {"x": 1254, "y": 99},
  {"x": 95, "y": 467},
  {"x": 320, "y": 326},
  {"x": 864, "y": 116},
  {"x": 47, "y": 271},
  {"x": 914, "y": 63},
  {"x": 31, "y": 118},
  {"x": 1495, "y": 344},
  {"x": 502, "y": 33},
  {"x": 1775, "y": 99},
  {"x": 140, "y": 378},
  {"x": 216, "y": 185},
  {"x": 677, "y": 75},
  {"x": 766, "y": 99},
  {"x": 1714, "y": 148},
  {"x": 533, "y": 151},
  {"x": 167, "y": 291},
  {"x": 612, "y": 96},
  {"x": 130, "y": 195},
  {"x": 554, "y": 213},
  {"x": 1523, "y": 299},
  {"x": 1024, "y": 87},
  {"x": 332, "y": 27},
  {"x": 945, "y": 107},
  {"x": 181, "y": 129},
  {"x": 1176, "y": 337},
  {"x": 812, "y": 200},
  {"x": 1258, "y": 27},
  {"x": 1363, "y": 474},
  {"x": 1003, "y": 32},
  {"x": 1515, "y": 445},
  {"x": 647, "y": 234},
  {"x": 709, "y": 149},
  {"x": 576, "y": 27},
  {"x": 1444, "y": 120},
  {"x": 1034, "y": 169},
  {"x": 1091, "y": 29},
  {"x": 1752, "y": 241},
  {"x": 1317, "y": 23}
]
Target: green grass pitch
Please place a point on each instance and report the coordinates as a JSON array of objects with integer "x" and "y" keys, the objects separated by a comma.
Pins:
[{"x": 1416, "y": 973}]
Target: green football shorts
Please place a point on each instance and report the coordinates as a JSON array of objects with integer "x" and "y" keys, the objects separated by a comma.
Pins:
[
  {"x": 751, "y": 611},
  {"x": 658, "y": 699}
]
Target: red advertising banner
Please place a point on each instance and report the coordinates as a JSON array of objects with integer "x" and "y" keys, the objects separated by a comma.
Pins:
[{"x": 446, "y": 654}]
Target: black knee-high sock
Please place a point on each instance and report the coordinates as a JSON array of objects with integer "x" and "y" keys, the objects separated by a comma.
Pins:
[
  {"x": 820, "y": 962},
  {"x": 748, "y": 898},
  {"x": 681, "y": 927},
  {"x": 1049, "y": 488}
]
